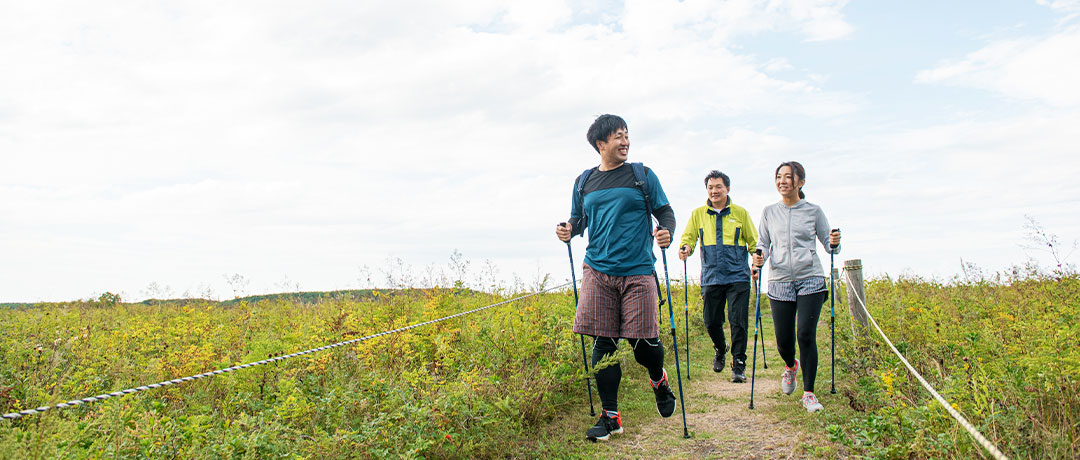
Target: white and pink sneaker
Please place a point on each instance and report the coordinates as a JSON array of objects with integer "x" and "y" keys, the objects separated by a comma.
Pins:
[
  {"x": 787, "y": 379},
  {"x": 810, "y": 402}
]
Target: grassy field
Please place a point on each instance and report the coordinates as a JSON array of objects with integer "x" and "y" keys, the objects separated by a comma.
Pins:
[
  {"x": 1002, "y": 350},
  {"x": 462, "y": 388},
  {"x": 506, "y": 382}
]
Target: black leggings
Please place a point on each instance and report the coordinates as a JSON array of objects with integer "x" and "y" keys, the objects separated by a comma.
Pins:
[
  {"x": 647, "y": 352},
  {"x": 807, "y": 310}
]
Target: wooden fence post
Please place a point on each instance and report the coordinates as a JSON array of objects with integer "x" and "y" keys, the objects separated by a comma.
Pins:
[
  {"x": 854, "y": 281},
  {"x": 839, "y": 283}
]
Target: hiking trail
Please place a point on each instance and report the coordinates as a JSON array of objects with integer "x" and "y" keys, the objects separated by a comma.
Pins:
[{"x": 720, "y": 423}]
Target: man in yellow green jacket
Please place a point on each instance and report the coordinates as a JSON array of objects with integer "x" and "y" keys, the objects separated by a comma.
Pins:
[{"x": 726, "y": 236}]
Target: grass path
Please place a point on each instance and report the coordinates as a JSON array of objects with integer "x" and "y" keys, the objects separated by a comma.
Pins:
[{"x": 719, "y": 421}]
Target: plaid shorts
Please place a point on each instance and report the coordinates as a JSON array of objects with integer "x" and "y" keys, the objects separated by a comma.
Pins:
[{"x": 617, "y": 306}]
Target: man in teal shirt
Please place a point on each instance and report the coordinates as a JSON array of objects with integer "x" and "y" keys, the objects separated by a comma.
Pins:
[{"x": 618, "y": 287}]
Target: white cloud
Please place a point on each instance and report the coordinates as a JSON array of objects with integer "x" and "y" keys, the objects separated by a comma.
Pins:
[
  {"x": 821, "y": 20},
  {"x": 926, "y": 197},
  {"x": 1041, "y": 69},
  {"x": 917, "y": 199},
  {"x": 536, "y": 17},
  {"x": 1065, "y": 6},
  {"x": 663, "y": 23},
  {"x": 177, "y": 143},
  {"x": 777, "y": 65}
]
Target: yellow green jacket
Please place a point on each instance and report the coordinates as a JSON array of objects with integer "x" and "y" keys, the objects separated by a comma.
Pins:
[{"x": 729, "y": 261}]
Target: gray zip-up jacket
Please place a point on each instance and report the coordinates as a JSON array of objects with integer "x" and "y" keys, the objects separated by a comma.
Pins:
[{"x": 786, "y": 238}]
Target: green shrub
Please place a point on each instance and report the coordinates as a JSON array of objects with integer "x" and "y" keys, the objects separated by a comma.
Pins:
[
  {"x": 466, "y": 387},
  {"x": 1002, "y": 351}
]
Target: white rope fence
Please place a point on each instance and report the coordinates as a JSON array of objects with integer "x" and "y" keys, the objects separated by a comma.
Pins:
[
  {"x": 979, "y": 438},
  {"x": 78, "y": 402}
]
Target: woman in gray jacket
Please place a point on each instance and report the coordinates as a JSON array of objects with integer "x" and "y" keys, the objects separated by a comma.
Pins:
[{"x": 787, "y": 232}]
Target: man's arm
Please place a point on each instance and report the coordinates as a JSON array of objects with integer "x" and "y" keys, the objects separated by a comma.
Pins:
[
  {"x": 665, "y": 219},
  {"x": 578, "y": 220},
  {"x": 577, "y": 226},
  {"x": 749, "y": 235},
  {"x": 690, "y": 234},
  {"x": 665, "y": 216},
  {"x": 689, "y": 237}
]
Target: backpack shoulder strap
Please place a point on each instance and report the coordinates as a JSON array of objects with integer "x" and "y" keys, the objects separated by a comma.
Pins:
[
  {"x": 640, "y": 177},
  {"x": 640, "y": 180},
  {"x": 642, "y": 183},
  {"x": 579, "y": 188}
]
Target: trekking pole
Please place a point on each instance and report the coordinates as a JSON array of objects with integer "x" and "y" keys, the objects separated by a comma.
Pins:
[
  {"x": 764, "y": 360},
  {"x": 686, "y": 317},
  {"x": 832, "y": 310},
  {"x": 757, "y": 320},
  {"x": 584, "y": 359},
  {"x": 757, "y": 324},
  {"x": 675, "y": 345}
]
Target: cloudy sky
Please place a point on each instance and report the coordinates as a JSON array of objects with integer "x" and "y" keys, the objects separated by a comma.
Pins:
[{"x": 157, "y": 148}]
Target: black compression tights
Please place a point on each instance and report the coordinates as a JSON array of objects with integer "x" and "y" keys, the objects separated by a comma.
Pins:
[
  {"x": 807, "y": 310},
  {"x": 647, "y": 352}
]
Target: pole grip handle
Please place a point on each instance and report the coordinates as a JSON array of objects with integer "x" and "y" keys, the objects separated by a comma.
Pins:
[
  {"x": 658, "y": 228},
  {"x": 833, "y": 246},
  {"x": 563, "y": 225}
]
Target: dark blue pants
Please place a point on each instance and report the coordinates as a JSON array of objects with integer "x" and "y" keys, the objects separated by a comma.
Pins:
[{"x": 737, "y": 298}]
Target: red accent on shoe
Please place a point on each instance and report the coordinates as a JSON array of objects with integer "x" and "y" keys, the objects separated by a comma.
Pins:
[{"x": 663, "y": 380}]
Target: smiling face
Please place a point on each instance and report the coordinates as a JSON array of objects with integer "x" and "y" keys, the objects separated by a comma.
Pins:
[
  {"x": 788, "y": 182},
  {"x": 616, "y": 148},
  {"x": 717, "y": 192}
]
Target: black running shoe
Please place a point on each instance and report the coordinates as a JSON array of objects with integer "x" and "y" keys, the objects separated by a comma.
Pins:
[
  {"x": 718, "y": 360},
  {"x": 738, "y": 371},
  {"x": 665, "y": 399},
  {"x": 605, "y": 427}
]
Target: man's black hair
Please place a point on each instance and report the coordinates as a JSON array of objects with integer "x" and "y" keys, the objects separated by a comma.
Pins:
[
  {"x": 603, "y": 127},
  {"x": 714, "y": 174}
]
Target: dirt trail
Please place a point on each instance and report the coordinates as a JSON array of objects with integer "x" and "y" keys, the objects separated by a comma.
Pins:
[{"x": 720, "y": 423}]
